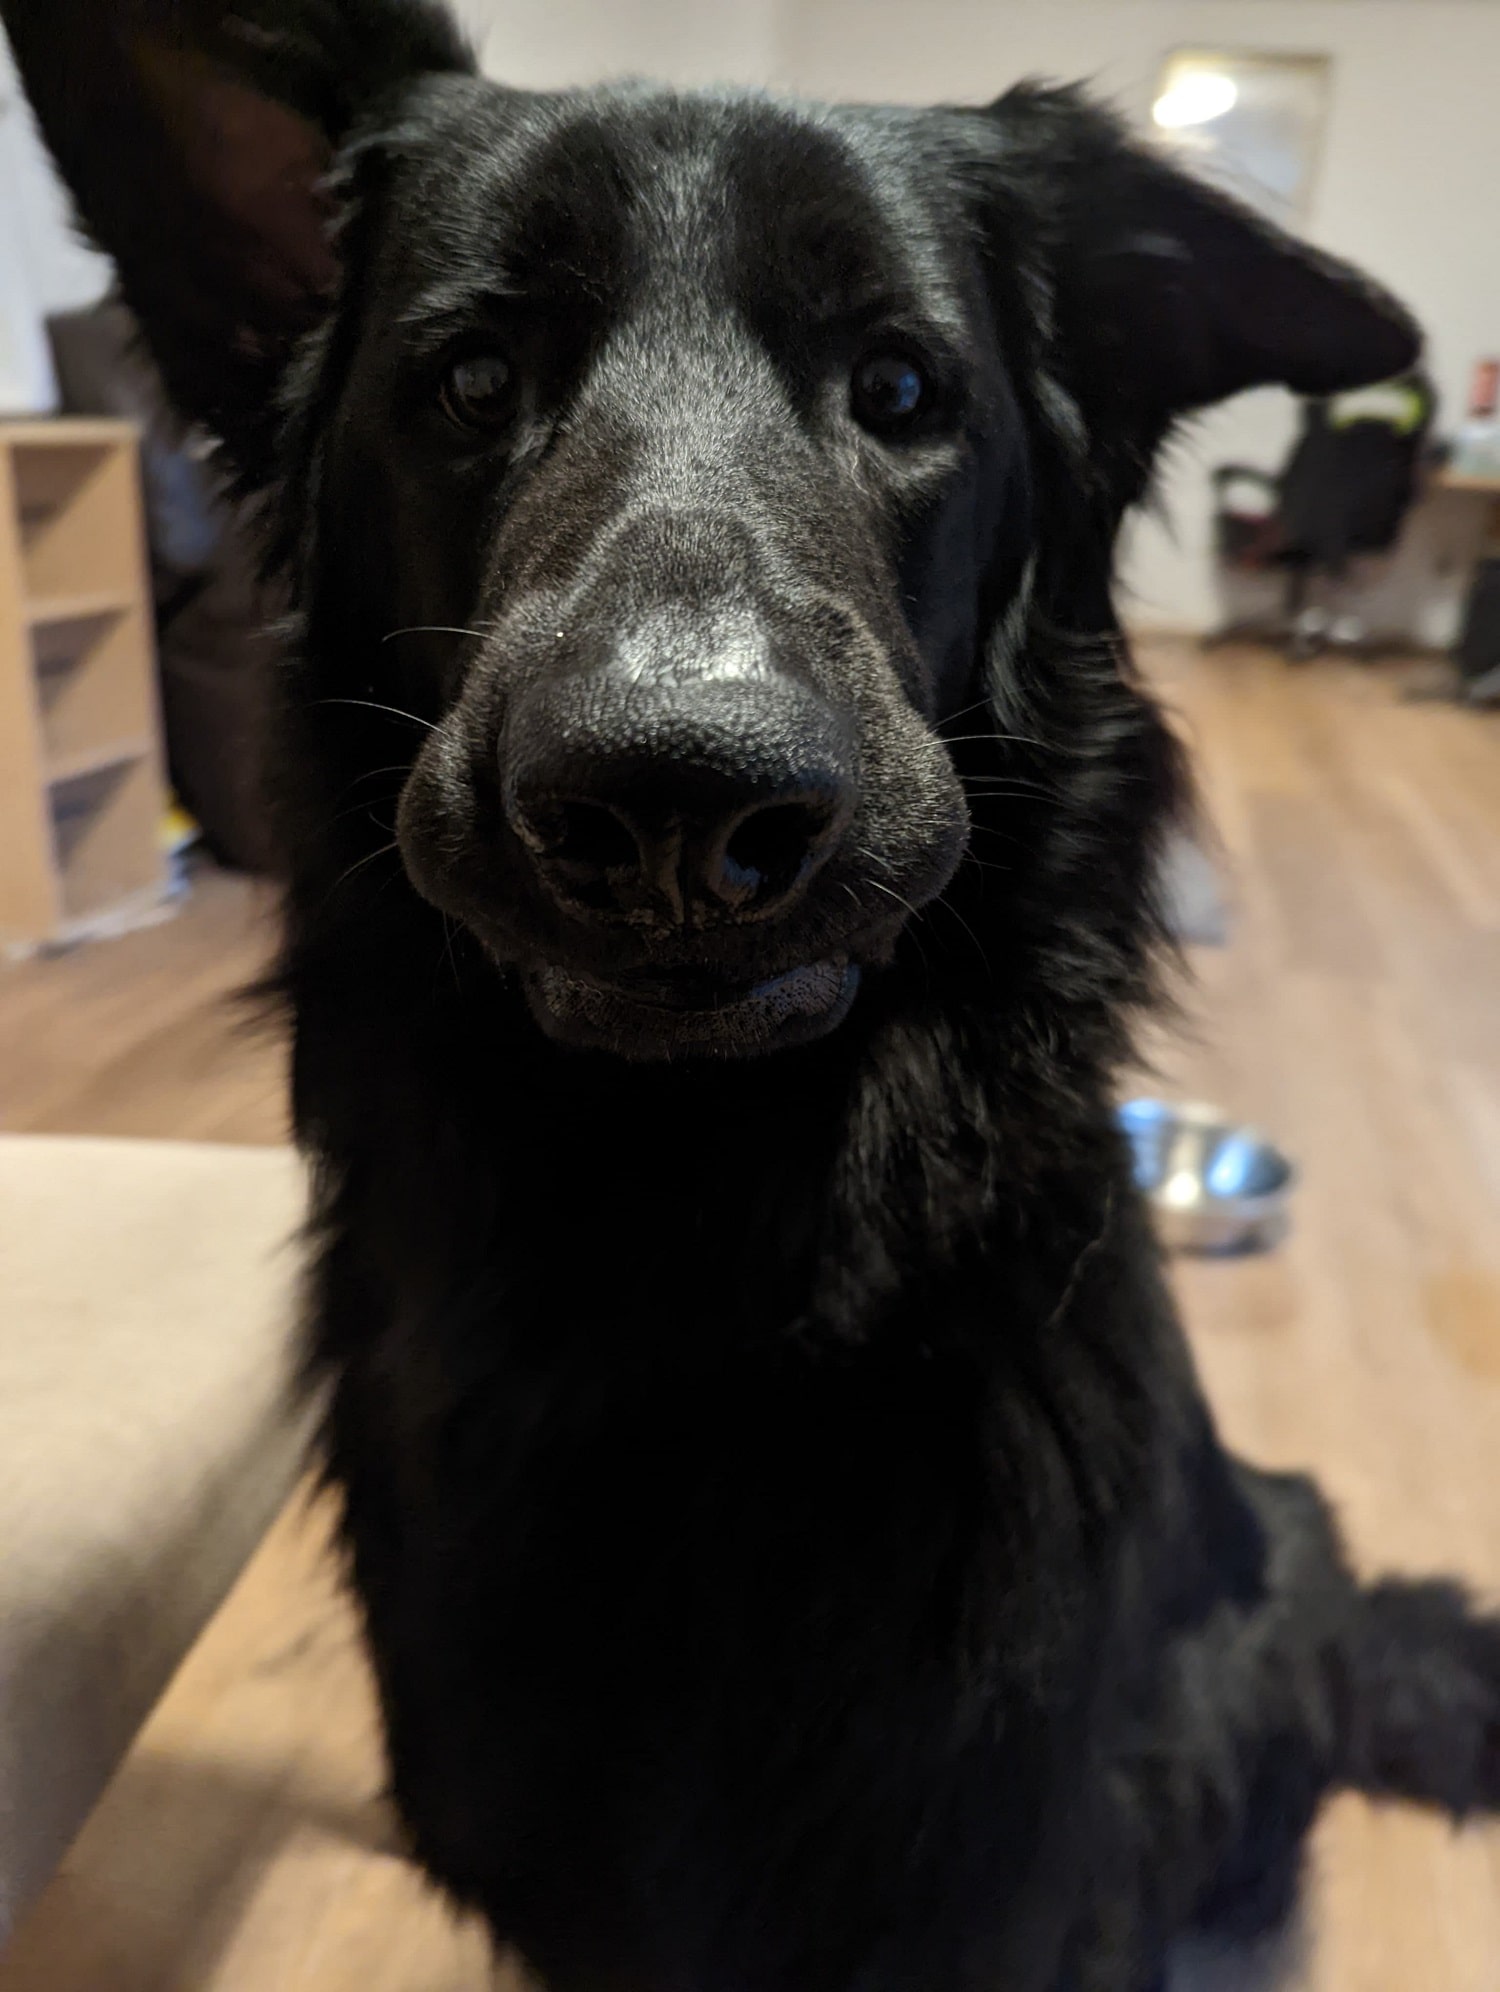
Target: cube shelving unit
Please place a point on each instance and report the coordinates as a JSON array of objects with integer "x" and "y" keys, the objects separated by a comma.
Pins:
[{"x": 81, "y": 781}]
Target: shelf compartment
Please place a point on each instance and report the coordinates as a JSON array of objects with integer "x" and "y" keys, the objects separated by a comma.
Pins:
[
  {"x": 78, "y": 516},
  {"x": 48, "y": 609},
  {"x": 95, "y": 760},
  {"x": 104, "y": 837},
  {"x": 94, "y": 684}
]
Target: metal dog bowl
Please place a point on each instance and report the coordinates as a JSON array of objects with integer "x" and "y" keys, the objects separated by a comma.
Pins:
[{"x": 1214, "y": 1186}]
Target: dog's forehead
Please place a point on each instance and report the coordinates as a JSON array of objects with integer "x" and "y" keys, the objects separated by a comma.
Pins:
[{"x": 609, "y": 190}]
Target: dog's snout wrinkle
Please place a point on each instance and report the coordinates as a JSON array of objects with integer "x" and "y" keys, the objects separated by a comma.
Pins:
[{"x": 709, "y": 550}]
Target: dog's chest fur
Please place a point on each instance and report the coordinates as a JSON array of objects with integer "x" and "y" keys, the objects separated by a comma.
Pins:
[{"x": 714, "y": 1620}]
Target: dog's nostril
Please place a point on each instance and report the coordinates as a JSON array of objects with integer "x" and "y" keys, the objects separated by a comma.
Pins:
[
  {"x": 767, "y": 851},
  {"x": 675, "y": 807},
  {"x": 588, "y": 835}
]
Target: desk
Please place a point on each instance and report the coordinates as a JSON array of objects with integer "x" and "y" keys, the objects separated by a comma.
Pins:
[
  {"x": 1480, "y": 671},
  {"x": 1479, "y": 484}
]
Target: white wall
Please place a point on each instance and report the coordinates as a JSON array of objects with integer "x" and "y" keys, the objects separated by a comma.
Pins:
[
  {"x": 60, "y": 271},
  {"x": 1409, "y": 186},
  {"x": 43, "y": 266},
  {"x": 540, "y": 44}
]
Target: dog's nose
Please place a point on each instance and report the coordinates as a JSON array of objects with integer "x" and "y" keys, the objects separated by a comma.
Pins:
[{"x": 677, "y": 805}]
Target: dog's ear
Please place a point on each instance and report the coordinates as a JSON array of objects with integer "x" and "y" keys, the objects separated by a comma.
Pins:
[
  {"x": 1167, "y": 294},
  {"x": 194, "y": 138}
]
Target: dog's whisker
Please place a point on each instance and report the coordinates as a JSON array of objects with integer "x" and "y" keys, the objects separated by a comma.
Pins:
[
  {"x": 1003, "y": 785},
  {"x": 899, "y": 899},
  {"x": 360, "y": 863},
  {"x": 366, "y": 808},
  {"x": 432, "y": 629},
  {"x": 945, "y": 904},
  {"x": 1000, "y": 739},
  {"x": 402, "y": 768},
  {"x": 1005, "y": 836},
  {"x": 951, "y": 718},
  {"x": 912, "y": 930},
  {"x": 448, "y": 955},
  {"x": 375, "y": 705},
  {"x": 948, "y": 907},
  {"x": 369, "y": 775}
]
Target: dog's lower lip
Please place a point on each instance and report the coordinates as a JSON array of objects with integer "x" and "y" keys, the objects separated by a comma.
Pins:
[{"x": 653, "y": 1018}]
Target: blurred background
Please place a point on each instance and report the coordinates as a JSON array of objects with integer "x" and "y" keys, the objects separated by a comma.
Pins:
[
  {"x": 1315, "y": 595},
  {"x": 1400, "y": 150}
]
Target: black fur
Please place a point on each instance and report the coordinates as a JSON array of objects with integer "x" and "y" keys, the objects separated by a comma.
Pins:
[{"x": 795, "y": 1552}]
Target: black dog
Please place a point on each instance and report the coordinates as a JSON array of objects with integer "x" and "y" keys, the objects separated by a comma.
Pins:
[{"x": 795, "y": 1551}]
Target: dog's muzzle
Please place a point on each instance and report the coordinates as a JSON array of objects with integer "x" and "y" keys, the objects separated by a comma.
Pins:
[{"x": 644, "y": 1022}]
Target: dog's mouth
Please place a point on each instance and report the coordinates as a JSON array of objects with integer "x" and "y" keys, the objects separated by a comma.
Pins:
[{"x": 691, "y": 1016}]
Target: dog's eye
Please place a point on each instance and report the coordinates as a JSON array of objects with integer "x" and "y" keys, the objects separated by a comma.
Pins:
[
  {"x": 887, "y": 391},
  {"x": 477, "y": 392}
]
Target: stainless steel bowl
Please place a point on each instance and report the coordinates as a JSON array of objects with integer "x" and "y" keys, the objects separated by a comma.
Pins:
[{"x": 1215, "y": 1186}]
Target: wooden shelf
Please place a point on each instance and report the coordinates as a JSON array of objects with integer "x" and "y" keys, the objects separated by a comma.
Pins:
[
  {"x": 78, "y": 608},
  {"x": 81, "y": 790},
  {"x": 94, "y": 760},
  {"x": 69, "y": 432}
]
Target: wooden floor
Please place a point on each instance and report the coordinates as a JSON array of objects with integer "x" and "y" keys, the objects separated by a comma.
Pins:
[
  {"x": 1356, "y": 1013},
  {"x": 148, "y": 1034}
]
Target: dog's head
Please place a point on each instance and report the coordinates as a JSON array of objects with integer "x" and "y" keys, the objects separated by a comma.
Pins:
[{"x": 725, "y": 486}]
